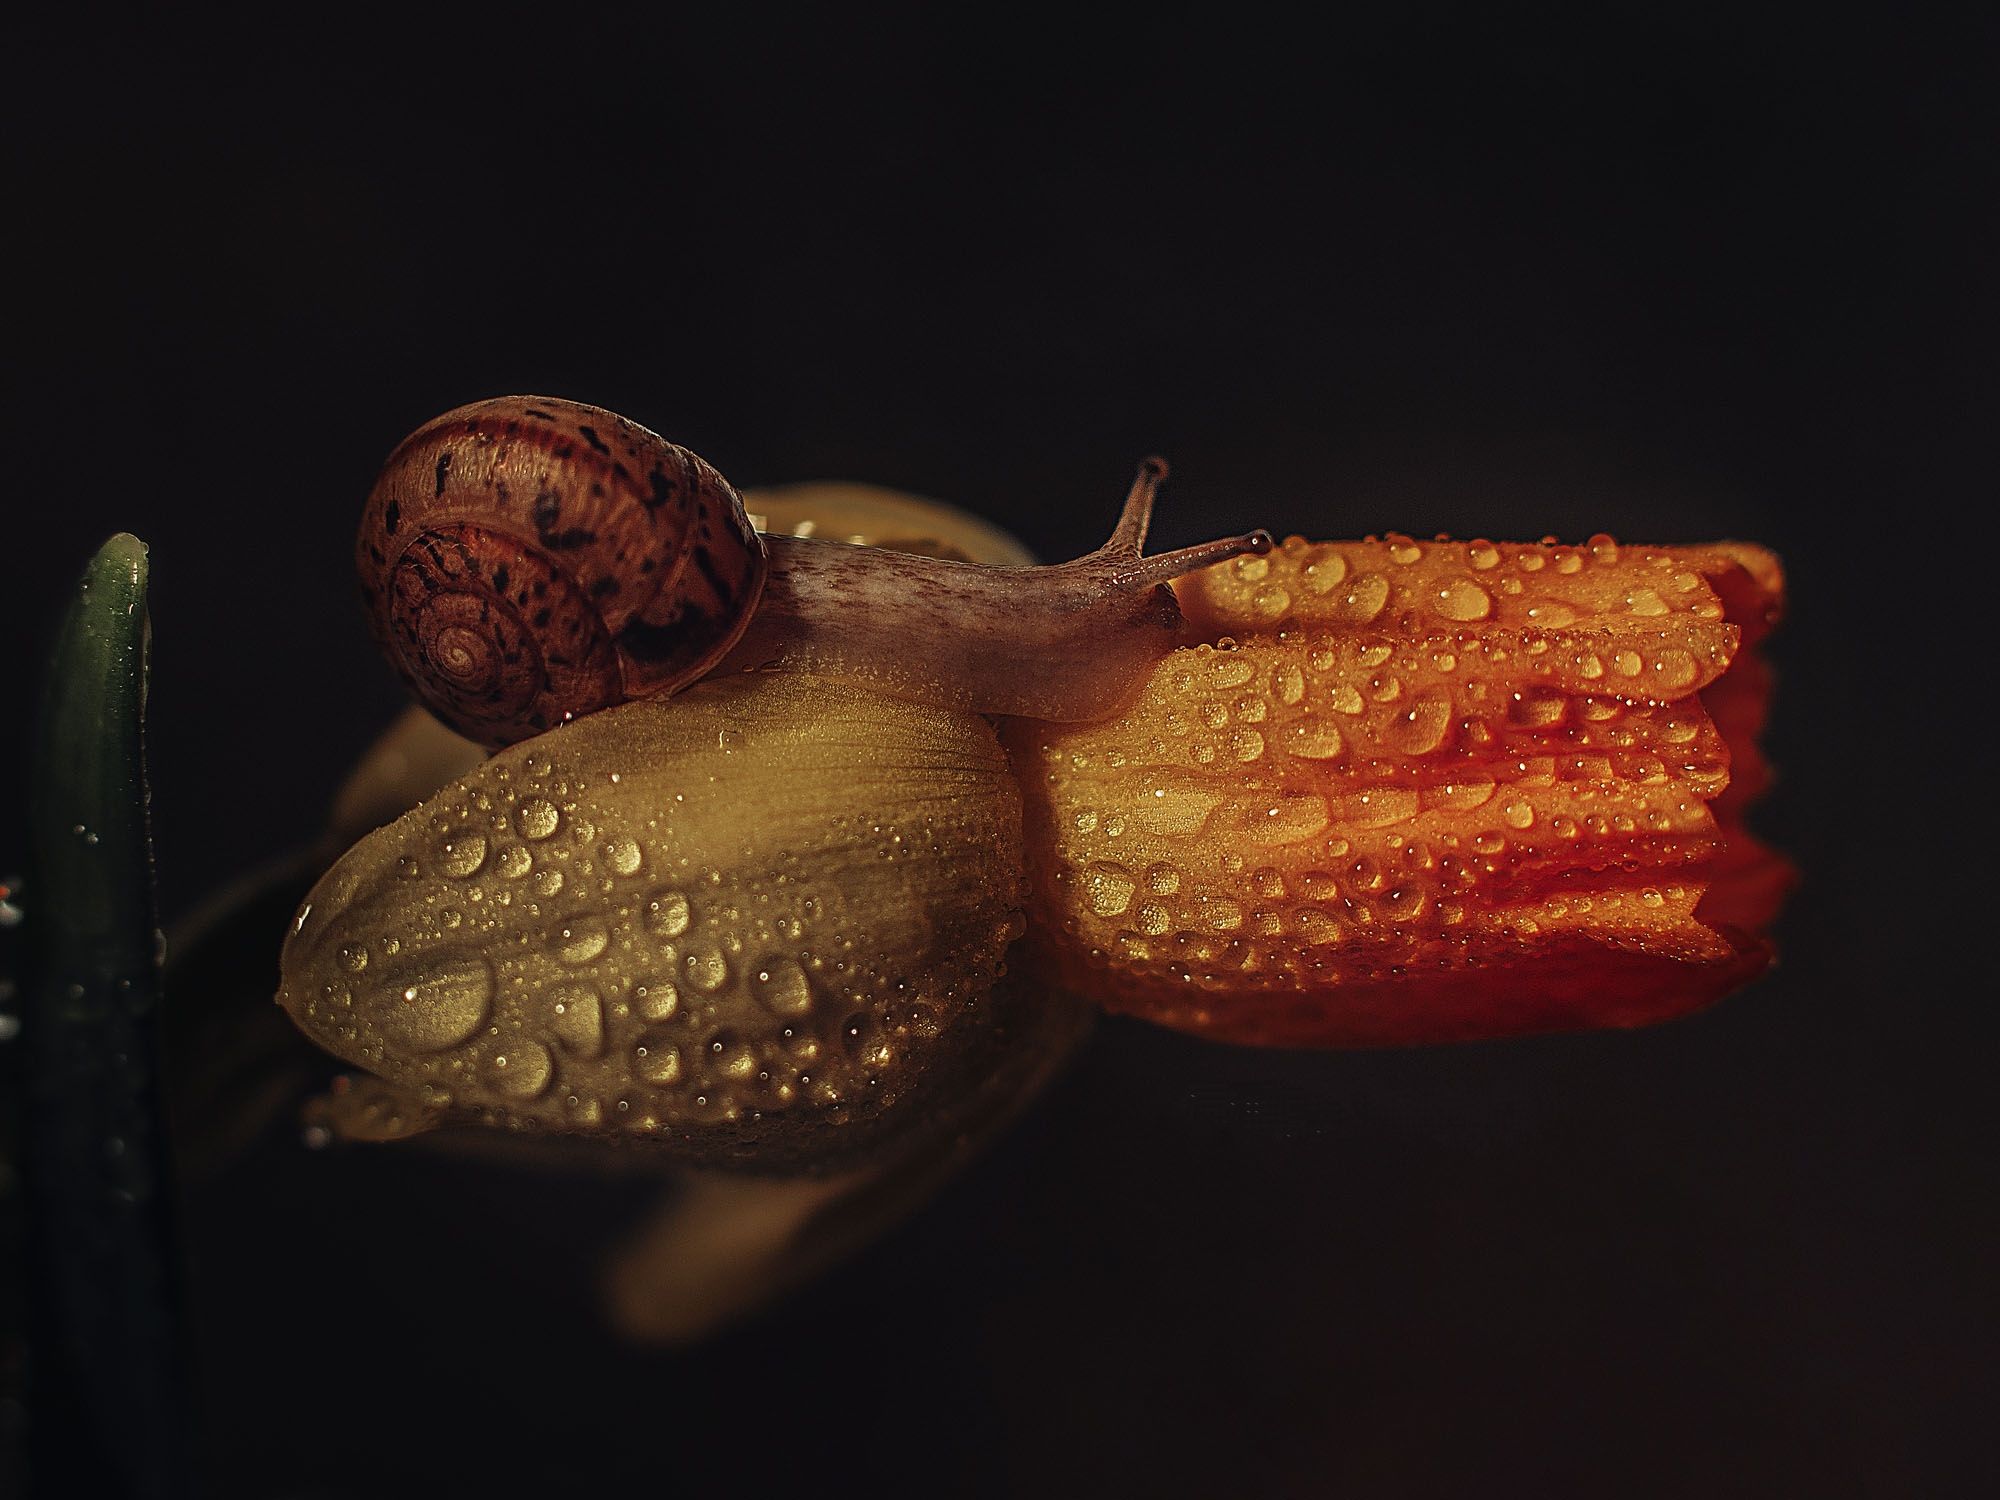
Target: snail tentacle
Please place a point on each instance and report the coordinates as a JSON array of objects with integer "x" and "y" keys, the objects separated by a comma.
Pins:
[{"x": 1128, "y": 538}]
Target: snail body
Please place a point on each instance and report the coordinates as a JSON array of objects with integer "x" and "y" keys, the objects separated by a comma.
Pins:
[{"x": 528, "y": 560}]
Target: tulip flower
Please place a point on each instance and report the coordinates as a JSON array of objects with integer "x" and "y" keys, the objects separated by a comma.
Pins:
[{"x": 1414, "y": 792}]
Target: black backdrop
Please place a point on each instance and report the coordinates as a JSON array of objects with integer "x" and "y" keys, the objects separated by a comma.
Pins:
[{"x": 1430, "y": 269}]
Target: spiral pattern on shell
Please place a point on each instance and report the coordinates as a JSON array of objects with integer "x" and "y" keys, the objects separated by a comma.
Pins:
[{"x": 525, "y": 560}]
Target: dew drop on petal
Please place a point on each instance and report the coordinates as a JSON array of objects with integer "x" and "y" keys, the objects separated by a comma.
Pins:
[
  {"x": 667, "y": 914},
  {"x": 1313, "y": 738},
  {"x": 781, "y": 987},
  {"x": 706, "y": 969},
  {"x": 1462, "y": 599},
  {"x": 462, "y": 855},
  {"x": 437, "y": 1009},
  {"x": 580, "y": 940},
  {"x": 656, "y": 999},
  {"x": 537, "y": 818},
  {"x": 576, "y": 1017},
  {"x": 1109, "y": 889},
  {"x": 521, "y": 1070}
]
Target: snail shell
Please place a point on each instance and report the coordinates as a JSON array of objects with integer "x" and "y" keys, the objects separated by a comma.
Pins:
[{"x": 526, "y": 560}]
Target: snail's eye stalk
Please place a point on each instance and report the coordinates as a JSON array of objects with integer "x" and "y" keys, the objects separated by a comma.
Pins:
[{"x": 1132, "y": 570}]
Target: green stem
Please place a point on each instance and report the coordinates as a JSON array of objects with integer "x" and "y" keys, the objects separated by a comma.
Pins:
[{"x": 107, "y": 1382}]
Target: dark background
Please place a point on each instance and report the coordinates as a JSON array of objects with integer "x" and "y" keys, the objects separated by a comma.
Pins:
[{"x": 1434, "y": 269}]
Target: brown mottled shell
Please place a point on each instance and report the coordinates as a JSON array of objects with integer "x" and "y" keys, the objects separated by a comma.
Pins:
[{"x": 525, "y": 560}]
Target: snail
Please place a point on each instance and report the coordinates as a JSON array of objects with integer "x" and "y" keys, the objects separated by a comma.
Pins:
[
  {"x": 1368, "y": 793},
  {"x": 527, "y": 560}
]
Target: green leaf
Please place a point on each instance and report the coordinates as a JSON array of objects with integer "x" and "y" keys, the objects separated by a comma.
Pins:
[{"x": 107, "y": 1410}]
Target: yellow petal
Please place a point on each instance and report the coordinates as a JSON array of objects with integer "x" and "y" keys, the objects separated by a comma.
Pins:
[{"x": 768, "y": 904}]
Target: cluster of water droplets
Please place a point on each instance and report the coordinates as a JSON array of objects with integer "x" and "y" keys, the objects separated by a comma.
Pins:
[
  {"x": 558, "y": 955},
  {"x": 1412, "y": 748}
]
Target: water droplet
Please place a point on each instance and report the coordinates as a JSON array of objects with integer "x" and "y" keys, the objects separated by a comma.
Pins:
[
  {"x": 1230, "y": 669},
  {"x": 1319, "y": 885},
  {"x": 513, "y": 862},
  {"x": 580, "y": 940},
  {"x": 1316, "y": 927},
  {"x": 576, "y": 1017},
  {"x": 1285, "y": 820},
  {"x": 462, "y": 856},
  {"x": 1626, "y": 663},
  {"x": 548, "y": 882},
  {"x": 1675, "y": 669},
  {"x": 1222, "y": 915},
  {"x": 1108, "y": 889},
  {"x": 1462, "y": 599},
  {"x": 1364, "y": 598},
  {"x": 431, "y": 1010},
  {"x": 732, "y": 1057},
  {"x": 1246, "y": 745},
  {"x": 1645, "y": 602},
  {"x": 1403, "y": 551},
  {"x": 1381, "y": 806},
  {"x": 659, "y": 1060},
  {"x": 1313, "y": 738},
  {"x": 1252, "y": 568},
  {"x": 1322, "y": 571},
  {"x": 522, "y": 1071},
  {"x": 1422, "y": 729},
  {"x": 1484, "y": 556},
  {"x": 656, "y": 999},
  {"x": 1345, "y": 698},
  {"x": 622, "y": 856},
  {"x": 1270, "y": 602},
  {"x": 667, "y": 914},
  {"x": 1518, "y": 814},
  {"x": 1151, "y": 918},
  {"x": 781, "y": 986},
  {"x": 1551, "y": 614},
  {"x": 706, "y": 969},
  {"x": 1652, "y": 897},
  {"x": 537, "y": 818},
  {"x": 1461, "y": 796},
  {"x": 354, "y": 958},
  {"x": 1162, "y": 879}
]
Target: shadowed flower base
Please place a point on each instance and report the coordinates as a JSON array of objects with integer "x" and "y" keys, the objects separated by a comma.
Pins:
[{"x": 1416, "y": 792}]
